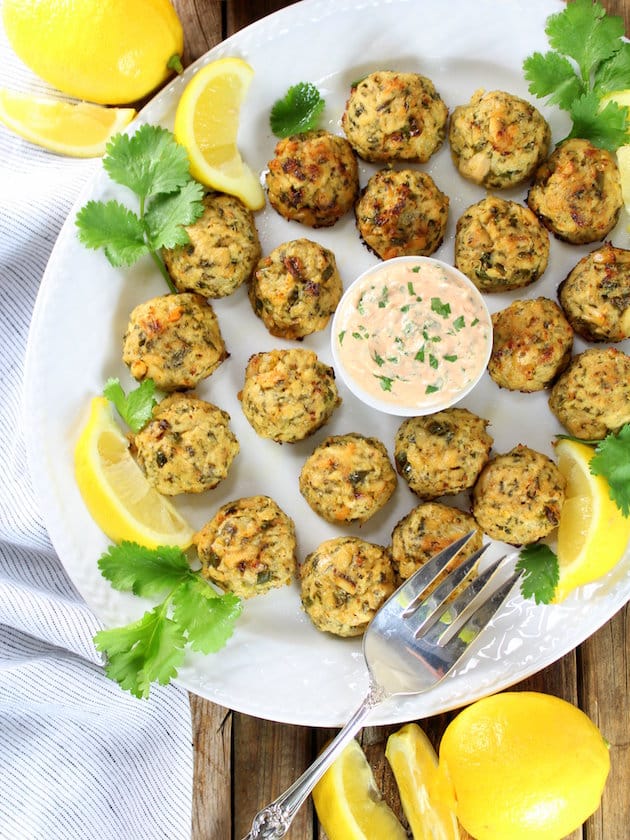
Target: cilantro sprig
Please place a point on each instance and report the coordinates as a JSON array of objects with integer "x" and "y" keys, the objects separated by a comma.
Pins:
[
  {"x": 589, "y": 58},
  {"x": 191, "y": 612},
  {"x": 156, "y": 169},
  {"x": 299, "y": 110},
  {"x": 136, "y": 407},
  {"x": 541, "y": 572}
]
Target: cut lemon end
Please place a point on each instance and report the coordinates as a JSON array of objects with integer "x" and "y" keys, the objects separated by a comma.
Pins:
[
  {"x": 593, "y": 534},
  {"x": 348, "y": 803},
  {"x": 115, "y": 490},
  {"x": 424, "y": 796},
  {"x": 78, "y": 129},
  {"x": 206, "y": 124}
]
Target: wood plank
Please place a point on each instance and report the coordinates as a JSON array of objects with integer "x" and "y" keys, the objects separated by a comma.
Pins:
[
  {"x": 202, "y": 21},
  {"x": 212, "y": 780}
]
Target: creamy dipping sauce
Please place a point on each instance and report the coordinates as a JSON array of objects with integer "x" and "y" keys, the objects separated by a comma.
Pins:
[{"x": 414, "y": 333}]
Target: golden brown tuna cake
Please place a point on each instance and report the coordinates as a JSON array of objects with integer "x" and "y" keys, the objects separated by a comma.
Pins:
[
  {"x": 222, "y": 252},
  {"x": 187, "y": 446},
  {"x": 442, "y": 453},
  {"x": 519, "y": 496},
  {"x": 595, "y": 295},
  {"x": 402, "y": 213},
  {"x": 577, "y": 192},
  {"x": 393, "y": 116},
  {"x": 592, "y": 397},
  {"x": 344, "y": 582},
  {"x": 531, "y": 344},
  {"x": 175, "y": 340},
  {"x": 288, "y": 394},
  {"x": 248, "y": 547},
  {"x": 426, "y": 530},
  {"x": 498, "y": 139},
  {"x": 296, "y": 288},
  {"x": 313, "y": 178},
  {"x": 500, "y": 245},
  {"x": 348, "y": 478}
]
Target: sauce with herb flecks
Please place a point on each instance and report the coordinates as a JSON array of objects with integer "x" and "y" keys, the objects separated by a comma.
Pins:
[{"x": 413, "y": 333}]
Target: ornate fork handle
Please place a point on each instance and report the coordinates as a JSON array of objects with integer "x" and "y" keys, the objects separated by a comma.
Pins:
[{"x": 273, "y": 821}]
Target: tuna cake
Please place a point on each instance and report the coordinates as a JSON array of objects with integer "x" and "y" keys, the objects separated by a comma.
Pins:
[
  {"x": 443, "y": 453},
  {"x": 595, "y": 295},
  {"x": 187, "y": 446},
  {"x": 348, "y": 478},
  {"x": 248, "y": 547},
  {"x": 313, "y": 178},
  {"x": 498, "y": 140},
  {"x": 531, "y": 344},
  {"x": 592, "y": 397},
  {"x": 402, "y": 213},
  {"x": 395, "y": 116},
  {"x": 576, "y": 192},
  {"x": 500, "y": 245},
  {"x": 344, "y": 582},
  {"x": 296, "y": 288},
  {"x": 222, "y": 252},
  {"x": 288, "y": 394},
  {"x": 175, "y": 340},
  {"x": 519, "y": 496},
  {"x": 425, "y": 531}
]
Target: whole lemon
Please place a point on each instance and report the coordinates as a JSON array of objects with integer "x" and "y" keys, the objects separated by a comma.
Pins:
[
  {"x": 105, "y": 51},
  {"x": 523, "y": 766}
]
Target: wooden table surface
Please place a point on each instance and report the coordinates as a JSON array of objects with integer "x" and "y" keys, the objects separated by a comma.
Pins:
[{"x": 241, "y": 763}]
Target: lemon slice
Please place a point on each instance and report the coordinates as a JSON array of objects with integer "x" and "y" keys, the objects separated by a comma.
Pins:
[
  {"x": 114, "y": 488},
  {"x": 348, "y": 803},
  {"x": 593, "y": 533},
  {"x": 206, "y": 124},
  {"x": 415, "y": 766},
  {"x": 74, "y": 129}
]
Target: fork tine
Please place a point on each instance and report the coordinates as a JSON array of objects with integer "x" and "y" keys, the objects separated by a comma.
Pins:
[
  {"x": 411, "y": 591},
  {"x": 423, "y": 612}
]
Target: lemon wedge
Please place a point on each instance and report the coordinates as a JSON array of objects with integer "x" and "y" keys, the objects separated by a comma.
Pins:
[
  {"x": 206, "y": 124},
  {"x": 593, "y": 533},
  {"x": 414, "y": 763},
  {"x": 348, "y": 803},
  {"x": 114, "y": 488},
  {"x": 74, "y": 129}
]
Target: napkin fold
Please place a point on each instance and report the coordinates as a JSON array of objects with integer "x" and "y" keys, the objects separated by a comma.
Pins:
[{"x": 79, "y": 757}]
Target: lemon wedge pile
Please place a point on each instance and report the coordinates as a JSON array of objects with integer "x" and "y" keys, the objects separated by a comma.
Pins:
[
  {"x": 74, "y": 129},
  {"x": 593, "y": 533},
  {"x": 114, "y": 488},
  {"x": 206, "y": 124},
  {"x": 348, "y": 803}
]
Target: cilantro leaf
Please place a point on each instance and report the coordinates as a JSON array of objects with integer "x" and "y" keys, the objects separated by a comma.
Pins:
[
  {"x": 144, "y": 571},
  {"x": 156, "y": 169},
  {"x": 612, "y": 461},
  {"x": 586, "y": 33},
  {"x": 167, "y": 213},
  {"x": 606, "y": 128},
  {"x": 299, "y": 110},
  {"x": 589, "y": 58},
  {"x": 552, "y": 75},
  {"x": 541, "y": 572},
  {"x": 114, "y": 228},
  {"x": 150, "y": 162},
  {"x": 207, "y": 616},
  {"x": 136, "y": 407},
  {"x": 145, "y": 651}
]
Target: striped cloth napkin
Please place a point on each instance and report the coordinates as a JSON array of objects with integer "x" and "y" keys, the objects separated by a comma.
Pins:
[{"x": 79, "y": 757}]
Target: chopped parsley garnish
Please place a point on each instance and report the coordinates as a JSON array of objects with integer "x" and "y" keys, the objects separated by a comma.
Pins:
[
  {"x": 386, "y": 382},
  {"x": 341, "y": 336},
  {"x": 191, "y": 613},
  {"x": 440, "y": 308},
  {"x": 459, "y": 323},
  {"x": 450, "y": 357},
  {"x": 589, "y": 58},
  {"x": 156, "y": 169},
  {"x": 431, "y": 389},
  {"x": 299, "y": 110}
]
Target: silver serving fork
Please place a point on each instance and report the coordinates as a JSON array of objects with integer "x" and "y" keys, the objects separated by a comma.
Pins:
[{"x": 412, "y": 643}]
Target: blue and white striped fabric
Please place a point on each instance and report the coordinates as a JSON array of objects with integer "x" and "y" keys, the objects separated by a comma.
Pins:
[{"x": 79, "y": 758}]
